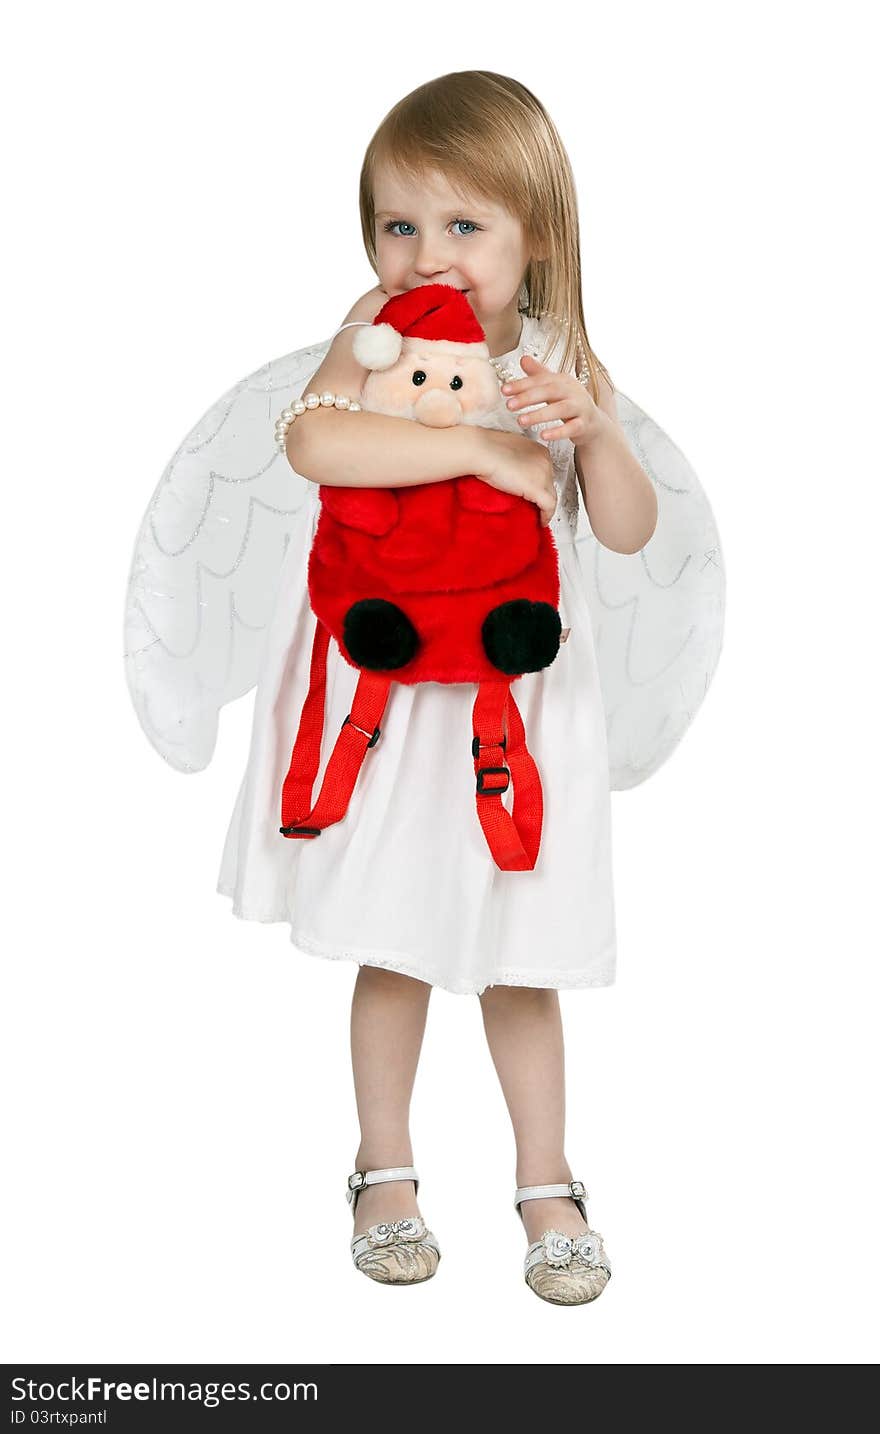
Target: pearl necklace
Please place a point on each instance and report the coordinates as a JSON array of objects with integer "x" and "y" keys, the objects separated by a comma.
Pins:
[{"x": 506, "y": 375}]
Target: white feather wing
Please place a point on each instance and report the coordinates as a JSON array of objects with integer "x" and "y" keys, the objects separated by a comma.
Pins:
[
  {"x": 658, "y": 615},
  {"x": 207, "y": 561}
]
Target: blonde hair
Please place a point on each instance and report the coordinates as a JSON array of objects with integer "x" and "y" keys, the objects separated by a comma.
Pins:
[{"x": 491, "y": 137}]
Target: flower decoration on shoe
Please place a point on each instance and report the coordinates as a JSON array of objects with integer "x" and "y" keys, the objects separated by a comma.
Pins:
[
  {"x": 561, "y": 1249},
  {"x": 411, "y": 1227}
]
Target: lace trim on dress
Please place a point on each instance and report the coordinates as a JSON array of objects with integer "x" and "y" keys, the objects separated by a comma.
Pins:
[{"x": 549, "y": 980}]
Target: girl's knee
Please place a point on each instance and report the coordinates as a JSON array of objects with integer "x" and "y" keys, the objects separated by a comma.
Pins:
[
  {"x": 519, "y": 995},
  {"x": 380, "y": 977}
]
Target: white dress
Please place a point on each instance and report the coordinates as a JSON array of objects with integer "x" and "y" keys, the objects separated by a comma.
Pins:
[{"x": 406, "y": 880}]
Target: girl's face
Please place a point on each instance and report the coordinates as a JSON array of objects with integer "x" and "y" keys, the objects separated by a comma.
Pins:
[{"x": 426, "y": 233}]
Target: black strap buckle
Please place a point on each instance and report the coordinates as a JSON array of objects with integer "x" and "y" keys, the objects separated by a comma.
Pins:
[
  {"x": 477, "y": 744},
  {"x": 300, "y": 831},
  {"x": 376, "y": 731},
  {"x": 485, "y": 791}
]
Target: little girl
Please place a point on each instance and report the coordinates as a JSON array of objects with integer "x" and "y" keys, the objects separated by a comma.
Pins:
[{"x": 466, "y": 183}]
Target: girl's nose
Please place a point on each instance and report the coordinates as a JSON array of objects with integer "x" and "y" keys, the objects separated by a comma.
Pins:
[{"x": 431, "y": 263}]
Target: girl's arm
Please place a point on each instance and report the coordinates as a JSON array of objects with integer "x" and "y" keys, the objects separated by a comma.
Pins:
[
  {"x": 618, "y": 494},
  {"x": 340, "y": 372},
  {"x": 371, "y": 450}
]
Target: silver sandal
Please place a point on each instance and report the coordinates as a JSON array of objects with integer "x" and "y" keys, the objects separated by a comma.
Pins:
[
  {"x": 564, "y": 1269},
  {"x": 399, "y": 1252}
]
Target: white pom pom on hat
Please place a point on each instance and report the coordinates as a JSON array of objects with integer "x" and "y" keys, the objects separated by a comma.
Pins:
[{"x": 377, "y": 345}]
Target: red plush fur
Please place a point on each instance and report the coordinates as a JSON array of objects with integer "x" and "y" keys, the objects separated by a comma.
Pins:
[{"x": 445, "y": 553}]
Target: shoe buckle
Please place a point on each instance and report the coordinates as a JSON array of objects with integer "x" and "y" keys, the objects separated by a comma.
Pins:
[
  {"x": 577, "y": 1189},
  {"x": 358, "y": 1180}
]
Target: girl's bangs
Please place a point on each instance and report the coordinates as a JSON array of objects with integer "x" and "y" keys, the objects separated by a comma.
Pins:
[{"x": 462, "y": 164}]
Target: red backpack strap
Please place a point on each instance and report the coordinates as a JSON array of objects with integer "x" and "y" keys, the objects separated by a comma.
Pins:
[
  {"x": 359, "y": 731},
  {"x": 501, "y": 756}
]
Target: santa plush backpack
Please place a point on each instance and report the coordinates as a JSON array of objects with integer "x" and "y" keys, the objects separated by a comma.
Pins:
[
  {"x": 210, "y": 551},
  {"x": 451, "y": 581}
]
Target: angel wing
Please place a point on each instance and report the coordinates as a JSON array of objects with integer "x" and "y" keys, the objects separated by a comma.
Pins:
[
  {"x": 658, "y": 615},
  {"x": 207, "y": 561}
]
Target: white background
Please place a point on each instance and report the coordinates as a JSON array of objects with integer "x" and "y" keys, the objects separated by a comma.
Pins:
[{"x": 183, "y": 187}]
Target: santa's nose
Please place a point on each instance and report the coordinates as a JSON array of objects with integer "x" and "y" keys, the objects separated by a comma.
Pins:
[{"x": 437, "y": 409}]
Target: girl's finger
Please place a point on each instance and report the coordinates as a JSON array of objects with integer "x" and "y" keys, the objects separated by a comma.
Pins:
[
  {"x": 550, "y": 435},
  {"x": 573, "y": 429},
  {"x": 544, "y": 393},
  {"x": 513, "y": 385},
  {"x": 550, "y": 410}
]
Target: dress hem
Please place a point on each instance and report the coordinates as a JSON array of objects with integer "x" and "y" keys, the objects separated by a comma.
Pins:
[{"x": 392, "y": 961}]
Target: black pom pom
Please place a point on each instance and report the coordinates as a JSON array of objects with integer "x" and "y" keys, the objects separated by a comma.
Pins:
[
  {"x": 521, "y": 636},
  {"x": 379, "y": 635}
]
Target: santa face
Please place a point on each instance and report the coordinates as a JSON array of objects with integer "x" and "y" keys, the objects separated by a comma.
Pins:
[
  {"x": 438, "y": 384},
  {"x": 427, "y": 233}
]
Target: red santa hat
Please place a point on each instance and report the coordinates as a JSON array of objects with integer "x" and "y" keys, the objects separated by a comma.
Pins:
[{"x": 438, "y": 314}]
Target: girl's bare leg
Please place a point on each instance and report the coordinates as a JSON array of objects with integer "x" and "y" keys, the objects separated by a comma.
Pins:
[
  {"x": 524, "y": 1031},
  {"x": 388, "y": 1015}
]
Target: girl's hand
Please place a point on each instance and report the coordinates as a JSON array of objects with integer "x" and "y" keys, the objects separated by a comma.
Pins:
[
  {"x": 565, "y": 397},
  {"x": 513, "y": 466}
]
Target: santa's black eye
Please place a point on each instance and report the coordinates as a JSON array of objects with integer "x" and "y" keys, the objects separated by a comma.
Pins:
[
  {"x": 419, "y": 376},
  {"x": 455, "y": 382}
]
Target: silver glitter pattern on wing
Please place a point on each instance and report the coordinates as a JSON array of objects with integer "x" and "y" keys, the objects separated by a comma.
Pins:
[
  {"x": 207, "y": 559},
  {"x": 658, "y": 615}
]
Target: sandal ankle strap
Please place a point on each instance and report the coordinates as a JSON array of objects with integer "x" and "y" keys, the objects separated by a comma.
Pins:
[
  {"x": 359, "y": 1178},
  {"x": 575, "y": 1189}
]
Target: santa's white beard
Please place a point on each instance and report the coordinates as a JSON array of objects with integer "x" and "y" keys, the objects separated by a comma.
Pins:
[{"x": 499, "y": 417}]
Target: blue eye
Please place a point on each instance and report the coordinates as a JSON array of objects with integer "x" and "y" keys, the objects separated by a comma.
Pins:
[{"x": 393, "y": 224}]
